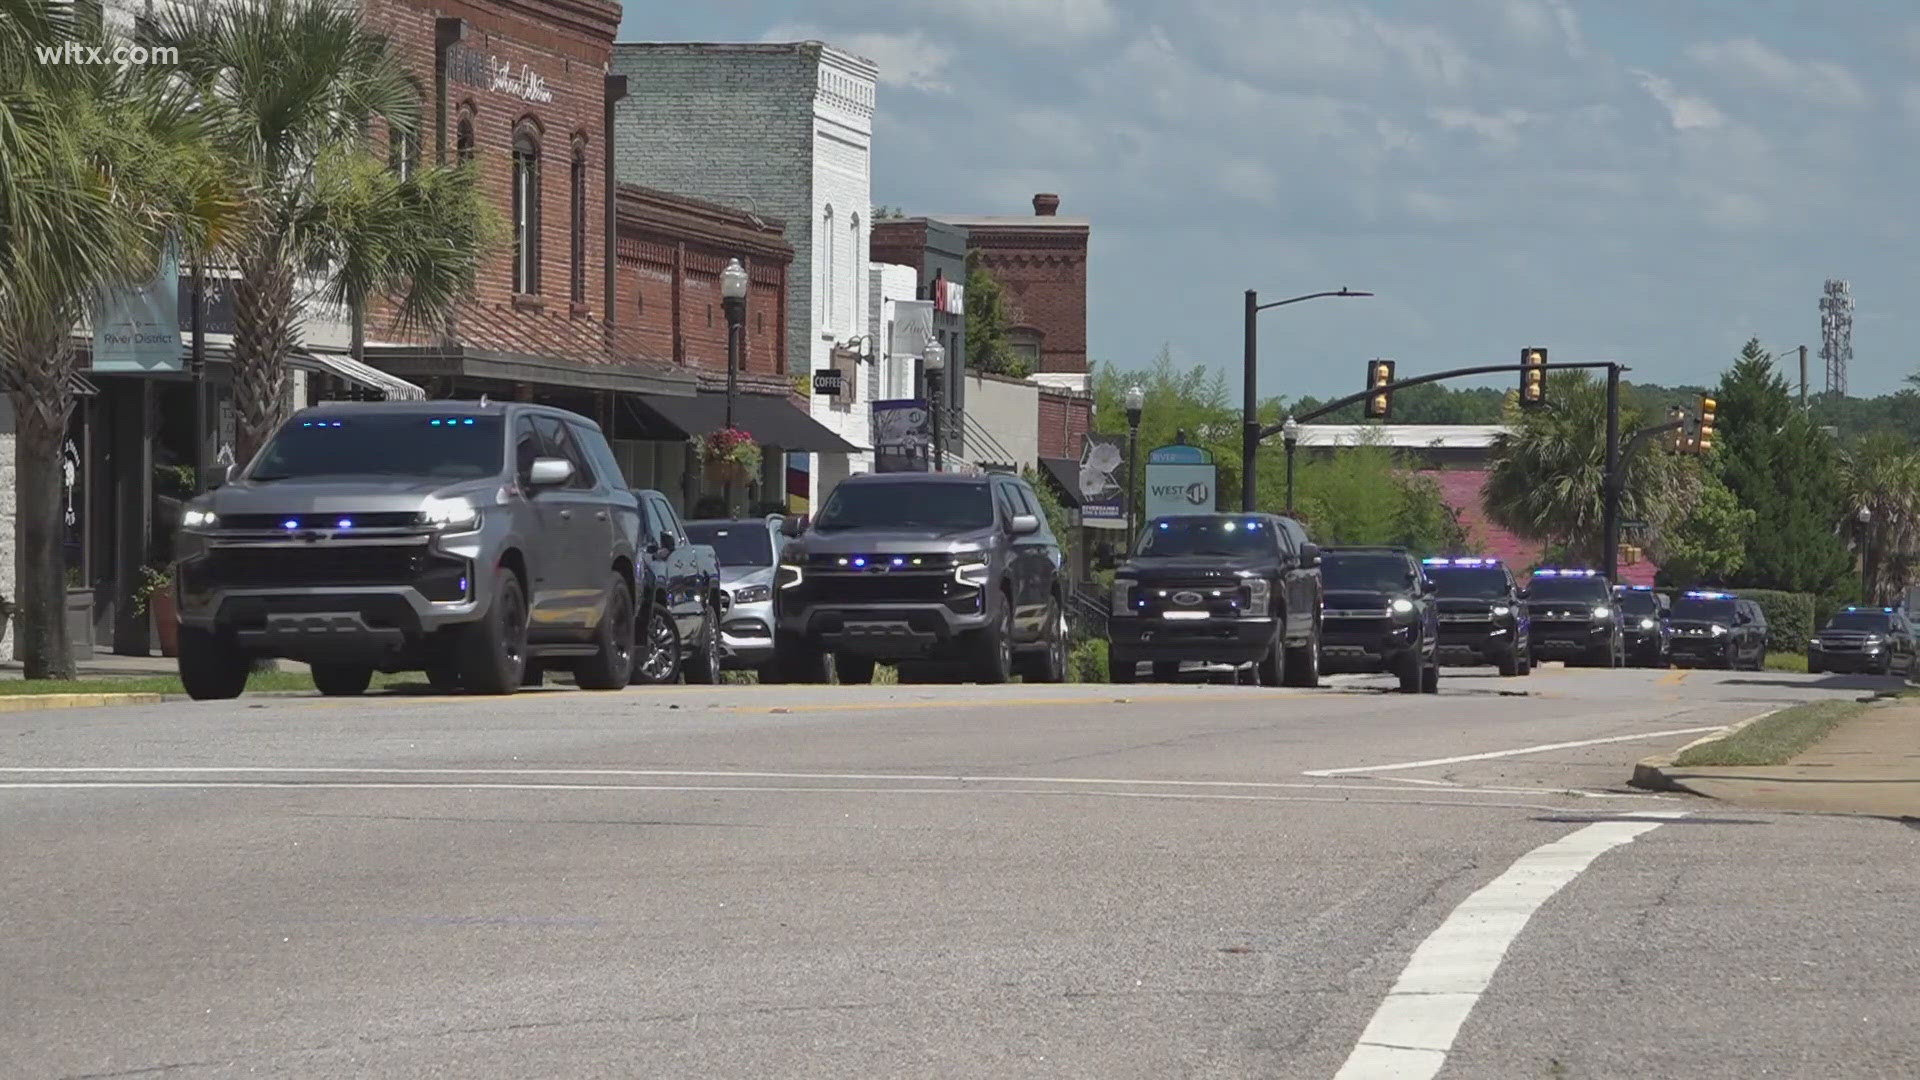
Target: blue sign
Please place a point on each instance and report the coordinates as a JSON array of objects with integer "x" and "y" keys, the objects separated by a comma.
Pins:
[
  {"x": 1179, "y": 454},
  {"x": 137, "y": 330}
]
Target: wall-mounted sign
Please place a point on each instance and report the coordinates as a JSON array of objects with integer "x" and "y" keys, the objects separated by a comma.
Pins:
[
  {"x": 1103, "y": 466},
  {"x": 1180, "y": 480},
  {"x": 494, "y": 74},
  {"x": 138, "y": 329},
  {"x": 828, "y": 382}
]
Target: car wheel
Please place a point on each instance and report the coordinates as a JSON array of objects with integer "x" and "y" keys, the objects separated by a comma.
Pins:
[
  {"x": 1303, "y": 663},
  {"x": 1272, "y": 668},
  {"x": 1166, "y": 671},
  {"x": 798, "y": 661},
  {"x": 1430, "y": 680},
  {"x": 853, "y": 670},
  {"x": 659, "y": 650},
  {"x": 211, "y": 668},
  {"x": 993, "y": 648},
  {"x": 493, "y": 654},
  {"x": 1509, "y": 665},
  {"x": 342, "y": 680},
  {"x": 1526, "y": 663},
  {"x": 1055, "y": 665},
  {"x": 611, "y": 665},
  {"x": 1413, "y": 673},
  {"x": 703, "y": 667},
  {"x": 443, "y": 677}
]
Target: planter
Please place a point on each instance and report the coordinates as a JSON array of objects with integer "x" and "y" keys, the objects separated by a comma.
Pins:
[
  {"x": 80, "y": 622},
  {"x": 166, "y": 621}
]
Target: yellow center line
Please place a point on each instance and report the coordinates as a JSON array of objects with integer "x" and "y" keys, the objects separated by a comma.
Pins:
[{"x": 1674, "y": 677}]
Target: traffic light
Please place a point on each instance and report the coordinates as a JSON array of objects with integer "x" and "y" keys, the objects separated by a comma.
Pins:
[
  {"x": 1677, "y": 439},
  {"x": 1703, "y": 436},
  {"x": 1380, "y": 404},
  {"x": 1533, "y": 378}
]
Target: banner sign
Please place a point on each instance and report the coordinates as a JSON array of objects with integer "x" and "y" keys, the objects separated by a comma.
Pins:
[
  {"x": 1103, "y": 468},
  {"x": 216, "y": 316},
  {"x": 902, "y": 436},
  {"x": 912, "y": 328},
  {"x": 137, "y": 330}
]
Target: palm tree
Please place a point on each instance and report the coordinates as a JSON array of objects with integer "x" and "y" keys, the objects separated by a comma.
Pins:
[
  {"x": 1882, "y": 474},
  {"x": 100, "y": 168},
  {"x": 1546, "y": 482},
  {"x": 293, "y": 89}
]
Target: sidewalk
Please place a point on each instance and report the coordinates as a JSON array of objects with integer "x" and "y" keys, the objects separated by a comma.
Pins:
[
  {"x": 104, "y": 665},
  {"x": 1868, "y": 765}
]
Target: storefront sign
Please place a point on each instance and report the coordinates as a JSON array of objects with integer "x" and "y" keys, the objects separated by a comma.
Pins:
[
  {"x": 492, "y": 73},
  {"x": 1180, "y": 480},
  {"x": 902, "y": 435},
  {"x": 912, "y": 328},
  {"x": 828, "y": 382},
  {"x": 137, "y": 330}
]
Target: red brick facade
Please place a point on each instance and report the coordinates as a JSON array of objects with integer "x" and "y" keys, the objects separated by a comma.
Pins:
[
  {"x": 671, "y": 250},
  {"x": 1041, "y": 262},
  {"x": 1065, "y": 419}
]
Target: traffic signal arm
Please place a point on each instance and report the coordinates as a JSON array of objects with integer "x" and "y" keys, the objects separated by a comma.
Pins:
[{"x": 1336, "y": 405}]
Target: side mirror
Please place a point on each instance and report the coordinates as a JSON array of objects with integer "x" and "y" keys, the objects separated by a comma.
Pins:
[
  {"x": 1024, "y": 525},
  {"x": 222, "y": 476},
  {"x": 1309, "y": 554},
  {"x": 550, "y": 472},
  {"x": 792, "y": 525}
]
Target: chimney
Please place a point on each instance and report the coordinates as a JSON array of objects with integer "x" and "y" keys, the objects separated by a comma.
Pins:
[{"x": 1045, "y": 204}]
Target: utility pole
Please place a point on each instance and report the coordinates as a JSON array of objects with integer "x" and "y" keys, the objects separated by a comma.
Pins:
[
  {"x": 1803, "y": 376},
  {"x": 1610, "y": 511}
]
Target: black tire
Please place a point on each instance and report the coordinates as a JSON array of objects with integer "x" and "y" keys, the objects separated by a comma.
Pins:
[
  {"x": 1050, "y": 665},
  {"x": 1303, "y": 663},
  {"x": 443, "y": 677},
  {"x": 1413, "y": 672},
  {"x": 534, "y": 674},
  {"x": 1510, "y": 666},
  {"x": 657, "y": 653},
  {"x": 211, "y": 668},
  {"x": 1526, "y": 664},
  {"x": 798, "y": 661},
  {"x": 703, "y": 663},
  {"x": 493, "y": 651},
  {"x": 1121, "y": 670},
  {"x": 1430, "y": 679},
  {"x": 1271, "y": 670},
  {"x": 342, "y": 680},
  {"x": 993, "y": 648},
  {"x": 1814, "y": 668},
  {"x": 853, "y": 670},
  {"x": 611, "y": 665}
]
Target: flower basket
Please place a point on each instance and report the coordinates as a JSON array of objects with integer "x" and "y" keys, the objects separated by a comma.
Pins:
[
  {"x": 730, "y": 452},
  {"x": 154, "y": 595}
]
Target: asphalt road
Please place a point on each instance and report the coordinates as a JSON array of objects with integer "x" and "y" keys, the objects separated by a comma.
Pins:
[{"x": 1150, "y": 881}]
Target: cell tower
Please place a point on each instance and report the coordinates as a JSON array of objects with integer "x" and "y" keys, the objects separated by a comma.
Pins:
[{"x": 1836, "y": 334}]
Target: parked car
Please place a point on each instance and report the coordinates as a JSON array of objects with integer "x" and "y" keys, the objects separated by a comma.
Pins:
[
  {"x": 1380, "y": 615},
  {"x": 1718, "y": 629},
  {"x": 680, "y": 599},
  {"x": 749, "y": 549},
  {"x": 946, "y": 574},
  {"x": 1483, "y": 614},
  {"x": 1863, "y": 639},
  {"x": 472, "y": 540},
  {"x": 1644, "y": 615},
  {"x": 1575, "y": 619},
  {"x": 1218, "y": 588}
]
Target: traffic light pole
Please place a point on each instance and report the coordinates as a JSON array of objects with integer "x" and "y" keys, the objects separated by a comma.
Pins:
[
  {"x": 1250, "y": 433},
  {"x": 1616, "y": 482}
]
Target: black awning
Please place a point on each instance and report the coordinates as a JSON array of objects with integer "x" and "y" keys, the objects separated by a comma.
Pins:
[
  {"x": 771, "y": 421},
  {"x": 1065, "y": 474}
]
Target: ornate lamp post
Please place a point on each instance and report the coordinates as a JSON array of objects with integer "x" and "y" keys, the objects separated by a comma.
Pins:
[
  {"x": 1136, "y": 401},
  {"x": 935, "y": 363},
  {"x": 1865, "y": 518},
  {"x": 1290, "y": 435},
  {"x": 733, "y": 301}
]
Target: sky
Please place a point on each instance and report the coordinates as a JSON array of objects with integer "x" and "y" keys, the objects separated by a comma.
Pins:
[{"x": 1648, "y": 181}]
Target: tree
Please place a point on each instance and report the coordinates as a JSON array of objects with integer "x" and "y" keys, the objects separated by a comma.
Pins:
[
  {"x": 292, "y": 88},
  {"x": 1546, "y": 481},
  {"x": 987, "y": 321},
  {"x": 1777, "y": 463},
  {"x": 1365, "y": 495},
  {"x": 1882, "y": 474},
  {"x": 100, "y": 168},
  {"x": 1708, "y": 544}
]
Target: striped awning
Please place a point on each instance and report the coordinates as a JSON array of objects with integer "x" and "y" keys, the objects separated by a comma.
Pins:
[{"x": 353, "y": 371}]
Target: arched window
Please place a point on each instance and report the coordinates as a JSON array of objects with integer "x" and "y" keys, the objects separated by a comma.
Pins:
[
  {"x": 403, "y": 146},
  {"x": 826, "y": 267},
  {"x": 526, "y": 212},
  {"x": 463, "y": 136},
  {"x": 577, "y": 253}
]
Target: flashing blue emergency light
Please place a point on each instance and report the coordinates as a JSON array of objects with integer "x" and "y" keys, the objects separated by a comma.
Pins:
[
  {"x": 859, "y": 560},
  {"x": 1637, "y": 588},
  {"x": 1566, "y": 573},
  {"x": 345, "y": 523},
  {"x": 1697, "y": 595},
  {"x": 290, "y": 523}
]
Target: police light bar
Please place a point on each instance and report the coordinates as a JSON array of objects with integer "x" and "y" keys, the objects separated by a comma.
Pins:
[
  {"x": 1566, "y": 573},
  {"x": 1635, "y": 588},
  {"x": 1712, "y": 596},
  {"x": 1888, "y": 610},
  {"x": 1461, "y": 562}
]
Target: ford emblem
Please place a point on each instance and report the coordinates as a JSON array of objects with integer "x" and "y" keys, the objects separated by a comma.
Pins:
[{"x": 1186, "y": 597}]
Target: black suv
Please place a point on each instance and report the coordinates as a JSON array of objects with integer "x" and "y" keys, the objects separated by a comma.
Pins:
[
  {"x": 1877, "y": 641},
  {"x": 1644, "y": 614},
  {"x": 1575, "y": 618},
  {"x": 926, "y": 569},
  {"x": 1718, "y": 629},
  {"x": 1218, "y": 588},
  {"x": 1380, "y": 615},
  {"x": 1483, "y": 618}
]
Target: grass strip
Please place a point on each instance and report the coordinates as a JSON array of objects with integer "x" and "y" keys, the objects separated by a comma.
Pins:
[
  {"x": 1787, "y": 661},
  {"x": 1775, "y": 739}
]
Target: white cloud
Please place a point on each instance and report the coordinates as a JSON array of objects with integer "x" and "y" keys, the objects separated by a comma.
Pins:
[
  {"x": 1749, "y": 63},
  {"x": 1910, "y": 99},
  {"x": 1335, "y": 44},
  {"x": 1032, "y": 22},
  {"x": 1689, "y": 112},
  {"x": 1502, "y": 129},
  {"x": 1540, "y": 22},
  {"x": 909, "y": 60}
]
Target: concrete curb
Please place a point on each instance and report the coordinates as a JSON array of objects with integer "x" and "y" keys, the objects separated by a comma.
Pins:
[
  {"x": 37, "y": 702},
  {"x": 1651, "y": 773}
]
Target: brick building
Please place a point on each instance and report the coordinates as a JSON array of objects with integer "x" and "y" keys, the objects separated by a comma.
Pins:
[
  {"x": 784, "y": 130},
  {"x": 1041, "y": 263}
]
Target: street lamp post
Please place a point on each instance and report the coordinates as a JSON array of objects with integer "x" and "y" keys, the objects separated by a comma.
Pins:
[
  {"x": 1865, "y": 518},
  {"x": 733, "y": 301},
  {"x": 1136, "y": 401},
  {"x": 1290, "y": 434},
  {"x": 1250, "y": 426},
  {"x": 935, "y": 362}
]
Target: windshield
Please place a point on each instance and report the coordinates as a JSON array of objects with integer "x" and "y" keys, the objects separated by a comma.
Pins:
[
  {"x": 1699, "y": 610},
  {"x": 736, "y": 543},
  {"x": 1589, "y": 589},
  {"x": 1374, "y": 573},
  {"x": 946, "y": 507},
  {"x": 1872, "y": 622},
  {"x": 1634, "y": 602},
  {"x": 1467, "y": 583},
  {"x": 395, "y": 444},
  {"x": 1202, "y": 535}
]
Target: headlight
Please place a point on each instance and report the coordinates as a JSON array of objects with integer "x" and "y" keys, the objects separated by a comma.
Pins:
[
  {"x": 1259, "y": 596},
  {"x": 1402, "y": 606},
  {"x": 1121, "y": 601},
  {"x": 1646, "y": 624},
  {"x": 1502, "y": 609},
  {"x": 1874, "y": 639},
  {"x": 199, "y": 519},
  {"x": 971, "y": 573},
  {"x": 752, "y": 594},
  {"x": 1602, "y": 611},
  {"x": 1718, "y": 630},
  {"x": 1813, "y": 643},
  {"x": 453, "y": 516},
  {"x": 789, "y": 573}
]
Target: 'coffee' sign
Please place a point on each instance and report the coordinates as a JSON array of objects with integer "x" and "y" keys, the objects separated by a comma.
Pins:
[{"x": 497, "y": 75}]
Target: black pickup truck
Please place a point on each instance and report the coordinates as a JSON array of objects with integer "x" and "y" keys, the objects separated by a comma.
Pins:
[
  {"x": 1218, "y": 588},
  {"x": 678, "y": 588},
  {"x": 1381, "y": 616}
]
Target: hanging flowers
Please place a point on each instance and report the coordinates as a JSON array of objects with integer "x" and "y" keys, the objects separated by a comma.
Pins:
[{"x": 731, "y": 449}]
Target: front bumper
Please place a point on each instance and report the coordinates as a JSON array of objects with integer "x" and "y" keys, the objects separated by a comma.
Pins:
[
  {"x": 1701, "y": 650},
  {"x": 1367, "y": 645},
  {"x": 1857, "y": 661},
  {"x": 1646, "y": 643},
  {"x": 1225, "y": 640},
  {"x": 1473, "y": 641},
  {"x": 1567, "y": 640},
  {"x": 746, "y": 635}
]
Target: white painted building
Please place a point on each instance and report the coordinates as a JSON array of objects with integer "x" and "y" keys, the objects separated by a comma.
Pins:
[
  {"x": 784, "y": 130},
  {"x": 890, "y": 376}
]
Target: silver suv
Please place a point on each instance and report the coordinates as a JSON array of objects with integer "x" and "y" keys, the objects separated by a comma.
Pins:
[
  {"x": 748, "y": 550},
  {"x": 476, "y": 541}
]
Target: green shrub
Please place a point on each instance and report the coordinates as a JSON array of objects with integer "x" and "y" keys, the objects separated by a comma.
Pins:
[
  {"x": 1089, "y": 661},
  {"x": 1789, "y": 617}
]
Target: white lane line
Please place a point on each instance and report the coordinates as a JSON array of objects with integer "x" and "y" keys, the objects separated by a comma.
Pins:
[
  {"x": 1414, "y": 1028},
  {"x": 1541, "y": 749},
  {"x": 693, "y": 774}
]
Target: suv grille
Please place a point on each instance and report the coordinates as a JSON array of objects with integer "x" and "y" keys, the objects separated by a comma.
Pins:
[
  {"x": 386, "y": 519},
  {"x": 1220, "y": 599},
  {"x": 882, "y": 588},
  {"x": 318, "y": 565}
]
